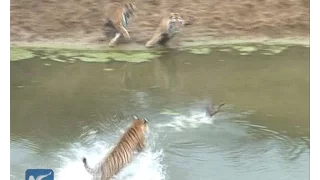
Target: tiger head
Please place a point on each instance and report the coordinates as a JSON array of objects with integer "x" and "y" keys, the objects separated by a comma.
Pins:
[
  {"x": 175, "y": 21},
  {"x": 141, "y": 123}
]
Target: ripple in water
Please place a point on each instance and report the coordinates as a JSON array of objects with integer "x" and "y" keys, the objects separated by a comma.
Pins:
[
  {"x": 234, "y": 134},
  {"x": 194, "y": 119}
]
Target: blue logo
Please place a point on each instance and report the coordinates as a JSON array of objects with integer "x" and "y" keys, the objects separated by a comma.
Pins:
[{"x": 39, "y": 174}]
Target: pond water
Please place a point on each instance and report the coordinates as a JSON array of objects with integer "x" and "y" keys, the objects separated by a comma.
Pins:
[{"x": 62, "y": 111}]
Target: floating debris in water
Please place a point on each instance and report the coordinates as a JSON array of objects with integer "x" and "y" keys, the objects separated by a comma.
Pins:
[{"x": 108, "y": 69}]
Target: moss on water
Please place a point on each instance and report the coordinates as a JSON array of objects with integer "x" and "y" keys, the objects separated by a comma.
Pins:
[
  {"x": 244, "y": 54},
  {"x": 209, "y": 41},
  {"x": 245, "y": 49},
  {"x": 17, "y": 54},
  {"x": 267, "y": 53},
  {"x": 242, "y": 49},
  {"x": 137, "y": 54},
  {"x": 108, "y": 69},
  {"x": 225, "y": 50},
  {"x": 276, "y": 49},
  {"x": 134, "y": 57},
  {"x": 203, "y": 50},
  {"x": 67, "y": 55}
]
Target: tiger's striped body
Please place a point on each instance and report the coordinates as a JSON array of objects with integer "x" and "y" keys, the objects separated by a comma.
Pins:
[
  {"x": 168, "y": 27},
  {"x": 118, "y": 17},
  {"x": 122, "y": 154}
]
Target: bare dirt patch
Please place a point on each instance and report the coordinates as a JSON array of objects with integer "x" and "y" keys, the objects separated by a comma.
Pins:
[{"x": 76, "y": 21}]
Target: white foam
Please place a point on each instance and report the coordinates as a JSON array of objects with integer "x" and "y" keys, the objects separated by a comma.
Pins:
[
  {"x": 194, "y": 120},
  {"x": 147, "y": 165}
]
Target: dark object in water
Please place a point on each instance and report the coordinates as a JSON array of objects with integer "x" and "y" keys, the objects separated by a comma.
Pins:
[
  {"x": 164, "y": 39},
  {"x": 211, "y": 111}
]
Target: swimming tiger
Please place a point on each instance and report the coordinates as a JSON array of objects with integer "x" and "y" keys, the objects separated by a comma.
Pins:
[
  {"x": 118, "y": 17},
  {"x": 132, "y": 140},
  {"x": 166, "y": 30}
]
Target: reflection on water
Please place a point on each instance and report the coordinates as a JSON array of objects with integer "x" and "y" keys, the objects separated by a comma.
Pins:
[{"x": 63, "y": 111}]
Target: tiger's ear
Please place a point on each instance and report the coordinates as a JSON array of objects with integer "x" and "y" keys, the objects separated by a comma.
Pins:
[
  {"x": 145, "y": 120},
  {"x": 135, "y": 117},
  {"x": 173, "y": 15},
  {"x": 131, "y": 5}
]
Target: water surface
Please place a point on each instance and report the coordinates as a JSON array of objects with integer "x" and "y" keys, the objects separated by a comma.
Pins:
[{"x": 63, "y": 111}]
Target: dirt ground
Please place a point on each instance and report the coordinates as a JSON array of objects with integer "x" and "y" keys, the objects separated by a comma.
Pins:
[{"x": 81, "y": 20}]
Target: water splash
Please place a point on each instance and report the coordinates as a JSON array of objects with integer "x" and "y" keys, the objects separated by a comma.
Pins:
[
  {"x": 145, "y": 166},
  {"x": 193, "y": 120}
]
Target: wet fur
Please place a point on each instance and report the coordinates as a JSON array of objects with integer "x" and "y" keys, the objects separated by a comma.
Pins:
[
  {"x": 118, "y": 16},
  {"x": 164, "y": 32},
  {"x": 211, "y": 111},
  {"x": 132, "y": 140}
]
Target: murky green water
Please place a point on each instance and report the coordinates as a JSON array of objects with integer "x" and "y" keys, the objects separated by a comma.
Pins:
[{"x": 63, "y": 111}]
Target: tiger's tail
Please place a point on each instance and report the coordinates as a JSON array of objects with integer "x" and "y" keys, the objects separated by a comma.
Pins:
[{"x": 85, "y": 163}]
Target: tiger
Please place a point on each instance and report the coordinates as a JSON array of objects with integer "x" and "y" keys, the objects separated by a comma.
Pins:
[
  {"x": 168, "y": 27},
  {"x": 133, "y": 140},
  {"x": 118, "y": 16},
  {"x": 211, "y": 111}
]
